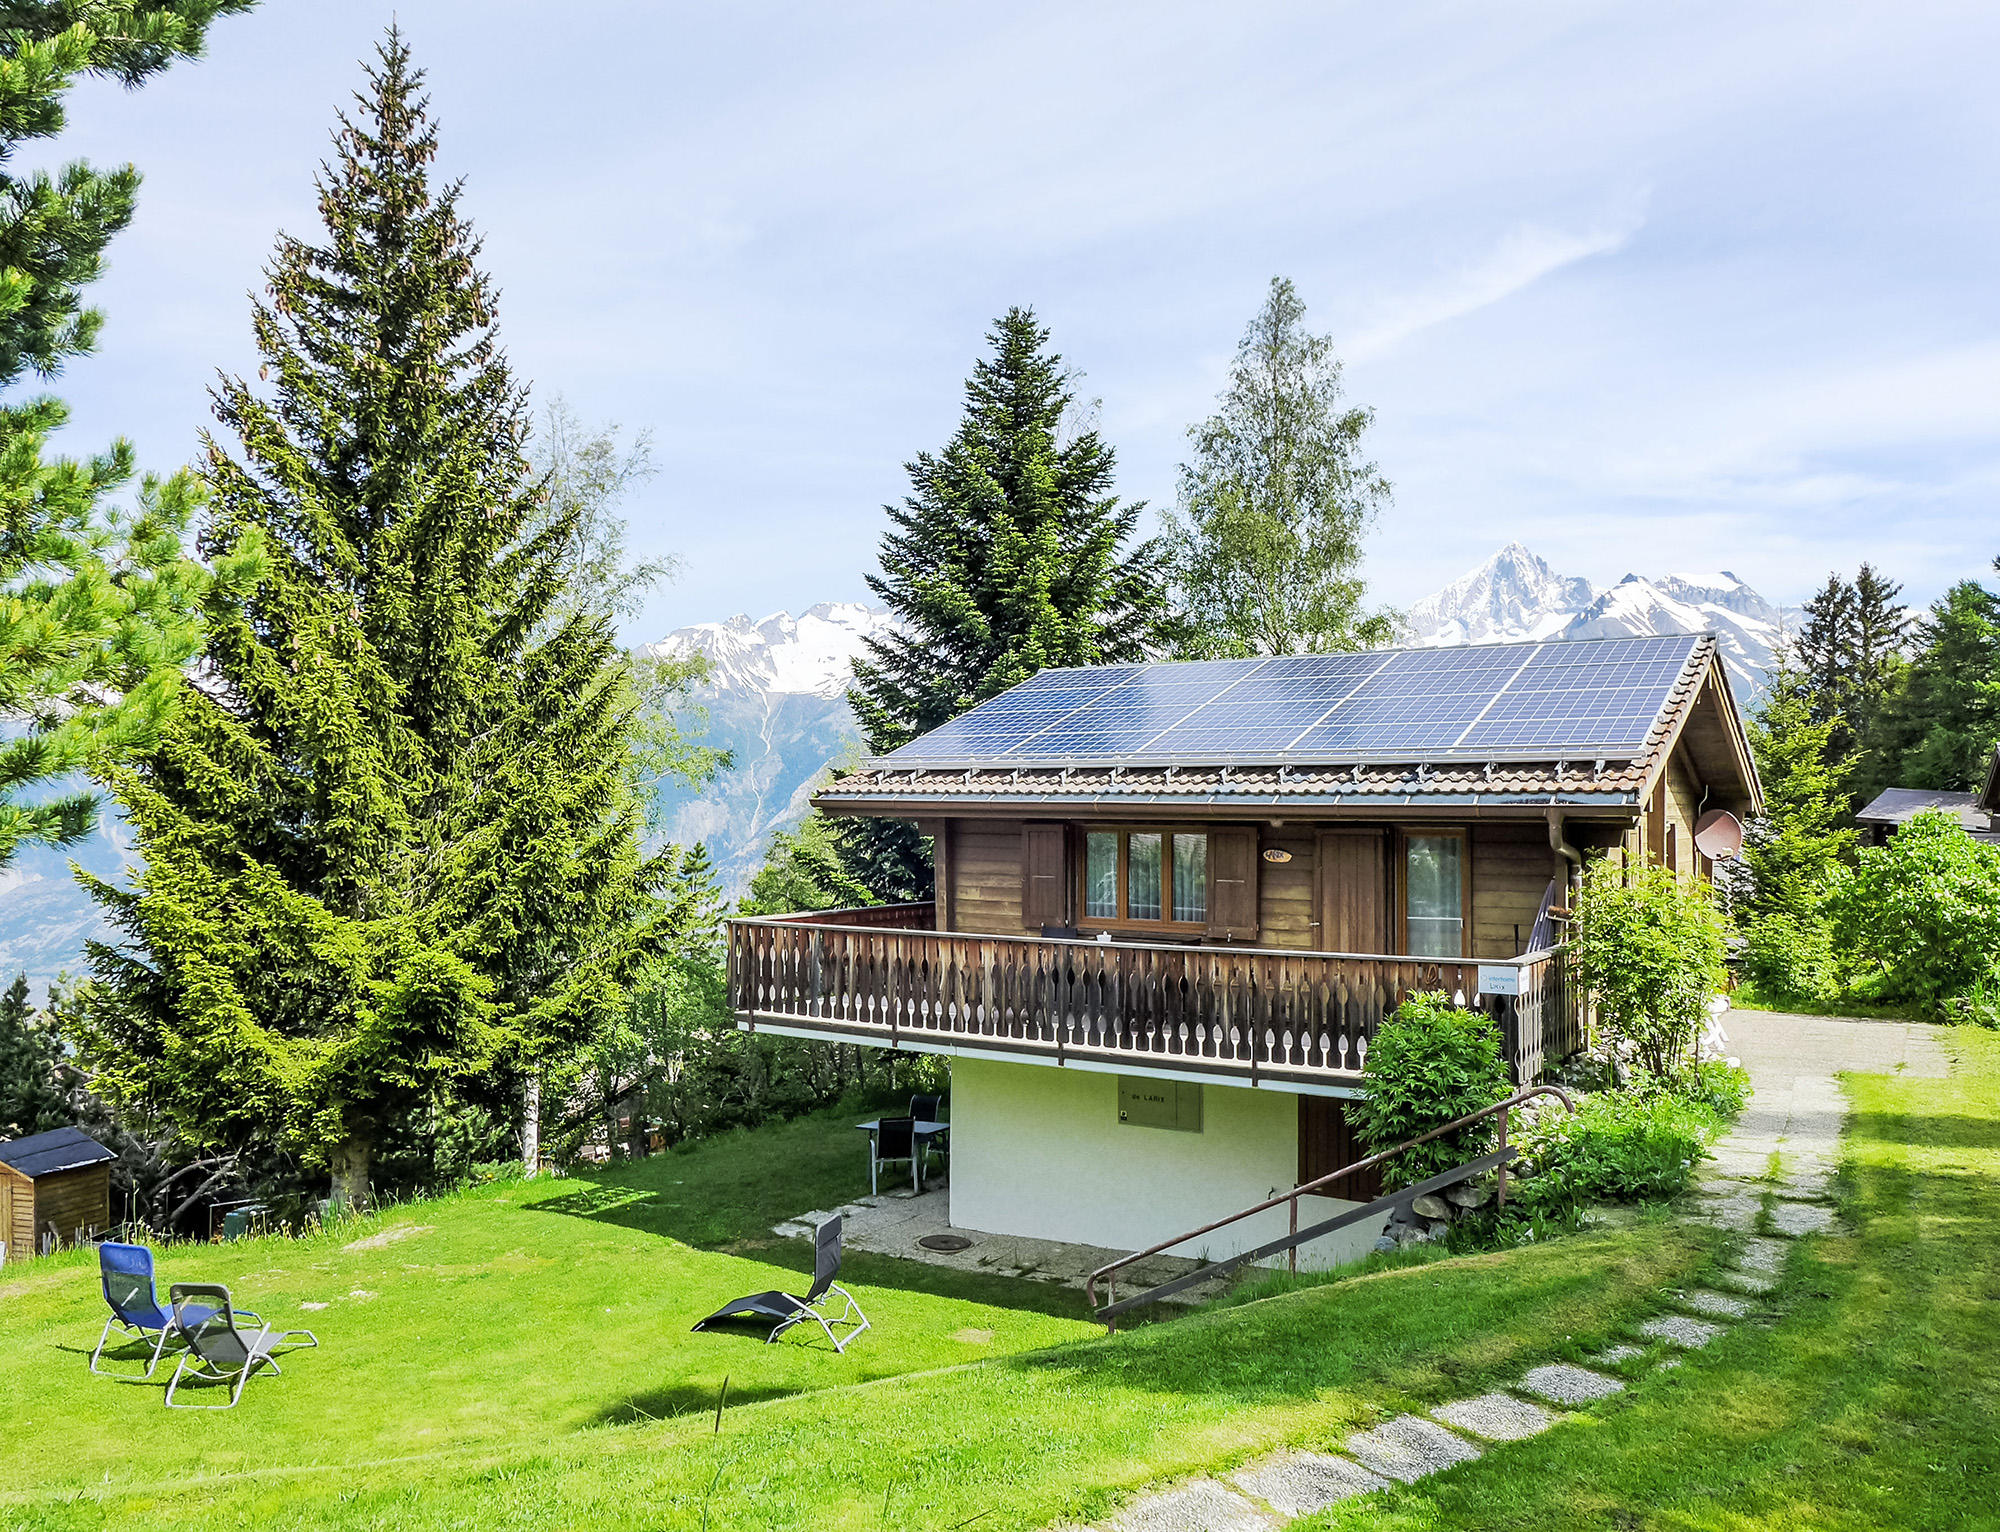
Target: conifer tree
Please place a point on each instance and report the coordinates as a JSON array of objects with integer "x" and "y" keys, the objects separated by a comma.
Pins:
[
  {"x": 1009, "y": 555},
  {"x": 1795, "y": 850},
  {"x": 99, "y": 608},
  {"x": 1939, "y": 729},
  {"x": 31, "y": 1101},
  {"x": 392, "y": 842}
]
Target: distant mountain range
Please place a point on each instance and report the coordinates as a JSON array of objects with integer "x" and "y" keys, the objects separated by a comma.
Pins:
[
  {"x": 777, "y": 700},
  {"x": 1515, "y": 595}
]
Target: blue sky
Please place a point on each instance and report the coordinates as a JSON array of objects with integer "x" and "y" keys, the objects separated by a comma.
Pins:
[{"x": 1647, "y": 288}]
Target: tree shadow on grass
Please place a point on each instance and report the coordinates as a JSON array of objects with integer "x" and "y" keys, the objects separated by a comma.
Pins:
[{"x": 639, "y": 1208}]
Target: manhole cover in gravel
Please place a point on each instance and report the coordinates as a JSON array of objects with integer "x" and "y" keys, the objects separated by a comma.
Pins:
[{"x": 945, "y": 1244}]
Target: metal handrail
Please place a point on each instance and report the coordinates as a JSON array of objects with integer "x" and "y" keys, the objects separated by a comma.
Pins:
[{"x": 1504, "y": 1107}]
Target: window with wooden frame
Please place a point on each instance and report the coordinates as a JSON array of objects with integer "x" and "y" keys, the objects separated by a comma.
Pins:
[
  {"x": 1435, "y": 882},
  {"x": 1149, "y": 879}
]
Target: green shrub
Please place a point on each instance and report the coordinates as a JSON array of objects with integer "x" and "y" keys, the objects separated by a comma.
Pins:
[
  {"x": 1790, "y": 959},
  {"x": 1429, "y": 1063},
  {"x": 1618, "y": 1146},
  {"x": 1920, "y": 918},
  {"x": 1649, "y": 948},
  {"x": 1715, "y": 1088},
  {"x": 1978, "y": 1006}
]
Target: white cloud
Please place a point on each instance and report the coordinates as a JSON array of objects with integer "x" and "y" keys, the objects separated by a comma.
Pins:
[{"x": 1522, "y": 257}]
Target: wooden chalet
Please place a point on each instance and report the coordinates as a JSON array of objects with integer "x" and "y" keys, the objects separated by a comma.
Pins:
[{"x": 1181, "y": 897}]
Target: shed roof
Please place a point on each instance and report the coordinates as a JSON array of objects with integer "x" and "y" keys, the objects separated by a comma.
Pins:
[
  {"x": 1899, "y": 805},
  {"x": 44, "y": 1154},
  {"x": 1989, "y": 797},
  {"x": 1493, "y": 727}
]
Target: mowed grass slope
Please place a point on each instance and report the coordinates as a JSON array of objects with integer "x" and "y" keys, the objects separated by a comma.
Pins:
[
  {"x": 1017, "y": 1441},
  {"x": 503, "y": 1317}
]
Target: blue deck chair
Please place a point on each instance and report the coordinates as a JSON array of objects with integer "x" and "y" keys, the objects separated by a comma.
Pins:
[
  {"x": 127, "y": 1274},
  {"x": 220, "y": 1351},
  {"x": 782, "y": 1310}
]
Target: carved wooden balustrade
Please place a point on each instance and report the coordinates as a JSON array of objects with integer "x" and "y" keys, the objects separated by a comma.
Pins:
[{"x": 1251, "y": 1013}]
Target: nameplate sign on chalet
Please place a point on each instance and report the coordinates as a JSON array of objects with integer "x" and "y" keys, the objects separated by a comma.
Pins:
[{"x": 1499, "y": 979}]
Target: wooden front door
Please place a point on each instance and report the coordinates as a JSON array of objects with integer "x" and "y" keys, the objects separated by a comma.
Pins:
[
  {"x": 1326, "y": 1143},
  {"x": 1351, "y": 891}
]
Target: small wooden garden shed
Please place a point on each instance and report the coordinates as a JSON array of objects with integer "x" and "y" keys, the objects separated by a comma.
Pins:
[{"x": 56, "y": 1183}]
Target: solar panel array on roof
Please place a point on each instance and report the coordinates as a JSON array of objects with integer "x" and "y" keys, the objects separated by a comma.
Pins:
[{"x": 1479, "y": 702}]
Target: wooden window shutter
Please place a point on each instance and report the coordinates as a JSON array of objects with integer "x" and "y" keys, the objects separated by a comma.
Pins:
[
  {"x": 1232, "y": 883},
  {"x": 1045, "y": 876}
]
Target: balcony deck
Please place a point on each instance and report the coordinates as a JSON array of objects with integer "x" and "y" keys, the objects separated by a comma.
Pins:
[{"x": 1258, "y": 1016}]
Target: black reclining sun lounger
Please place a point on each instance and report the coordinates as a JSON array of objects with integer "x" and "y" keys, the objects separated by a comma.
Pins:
[{"x": 782, "y": 1310}]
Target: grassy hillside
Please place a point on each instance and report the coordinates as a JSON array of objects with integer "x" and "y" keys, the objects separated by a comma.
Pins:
[{"x": 1865, "y": 1402}]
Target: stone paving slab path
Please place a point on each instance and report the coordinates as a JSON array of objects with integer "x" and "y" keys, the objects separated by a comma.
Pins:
[{"x": 1299, "y": 1483}]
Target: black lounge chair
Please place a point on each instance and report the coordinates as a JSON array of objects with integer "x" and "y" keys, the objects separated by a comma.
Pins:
[
  {"x": 783, "y": 1311},
  {"x": 220, "y": 1350}
]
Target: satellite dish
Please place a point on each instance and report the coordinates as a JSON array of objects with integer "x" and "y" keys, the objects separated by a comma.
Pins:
[{"x": 1719, "y": 835}]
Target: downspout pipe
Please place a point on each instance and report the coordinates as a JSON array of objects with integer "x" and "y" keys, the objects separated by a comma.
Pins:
[{"x": 1559, "y": 843}]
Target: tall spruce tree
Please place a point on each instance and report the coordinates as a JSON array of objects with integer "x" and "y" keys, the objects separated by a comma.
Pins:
[
  {"x": 99, "y": 608},
  {"x": 1009, "y": 555},
  {"x": 1880, "y": 631},
  {"x": 1794, "y": 851},
  {"x": 1939, "y": 729},
  {"x": 31, "y": 1101},
  {"x": 392, "y": 843},
  {"x": 1266, "y": 542}
]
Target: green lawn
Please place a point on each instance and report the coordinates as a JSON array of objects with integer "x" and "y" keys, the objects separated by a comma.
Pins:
[
  {"x": 505, "y": 1317},
  {"x": 524, "y": 1405},
  {"x": 1863, "y": 1397}
]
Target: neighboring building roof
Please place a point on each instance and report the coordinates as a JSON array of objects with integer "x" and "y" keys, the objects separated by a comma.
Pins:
[
  {"x": 1899, "y": 805},
  {"x": 43, "y": 1154},
  {"x": 1989, "y": 797},
  {"x": 1582, "y": 724}
]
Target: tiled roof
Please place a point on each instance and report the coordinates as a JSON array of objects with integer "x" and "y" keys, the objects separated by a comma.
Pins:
[{"x": 1582, "y": 779}]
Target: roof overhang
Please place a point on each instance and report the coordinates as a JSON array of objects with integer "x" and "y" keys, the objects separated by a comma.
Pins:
[{"x": 1989, "y": 795}]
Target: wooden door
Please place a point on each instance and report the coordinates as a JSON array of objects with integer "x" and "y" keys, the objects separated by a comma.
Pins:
[
  {"x": 1326, "y": 1143},
  {"x": 1351, "y": 891}
]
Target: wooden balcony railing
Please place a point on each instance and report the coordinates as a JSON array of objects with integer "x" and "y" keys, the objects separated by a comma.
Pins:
[{"x": 1250, "y": 1013}]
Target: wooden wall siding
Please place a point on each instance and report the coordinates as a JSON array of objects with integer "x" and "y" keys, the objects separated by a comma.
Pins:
[
  {"x": 987, "y": 875},
  {"x": 1683, "y": 809},
  {"x": 1255, "y": 1015},
  {"x": 17, "y": 1201},
  {"x": 67, "y": 1201},
  {"x": 1511, "y": 868},
  {"x": 1285, "y": 891},
  {"x": 71, "y": 1200}
]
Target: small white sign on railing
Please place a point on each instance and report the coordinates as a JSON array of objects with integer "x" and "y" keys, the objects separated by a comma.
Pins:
[{"x": 1499, "y": 979}]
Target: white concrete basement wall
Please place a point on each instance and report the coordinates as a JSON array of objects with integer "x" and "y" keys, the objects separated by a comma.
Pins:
[{"x": 1040, "y": 1151}]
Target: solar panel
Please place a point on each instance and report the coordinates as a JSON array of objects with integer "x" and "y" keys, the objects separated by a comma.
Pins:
[{"x": 1475, "y": 702}]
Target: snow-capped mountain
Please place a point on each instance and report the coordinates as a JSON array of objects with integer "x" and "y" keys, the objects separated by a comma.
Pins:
[
  {"x": 812, "y": 653},
  {"x": 777, "y": 700},
  {"x": 1515, "y": 595}
]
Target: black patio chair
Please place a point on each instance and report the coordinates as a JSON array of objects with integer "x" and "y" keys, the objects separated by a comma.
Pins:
[
  {"x": 783, "y": 1310},
  {"x": 894, "y": 1138}
]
